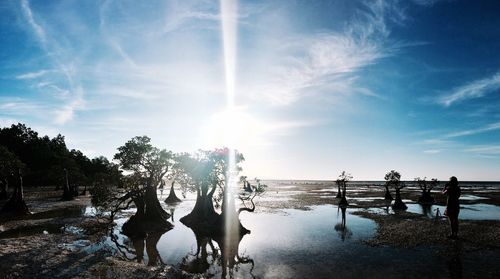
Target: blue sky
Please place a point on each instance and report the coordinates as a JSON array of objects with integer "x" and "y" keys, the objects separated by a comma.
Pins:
[{"x": 321, "y": 86}]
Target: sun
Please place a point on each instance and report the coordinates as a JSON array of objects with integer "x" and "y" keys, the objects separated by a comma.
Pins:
[{"x": 234, "y": 128}]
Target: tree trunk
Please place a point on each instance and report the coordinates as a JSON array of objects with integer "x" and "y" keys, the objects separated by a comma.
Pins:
[
  {"x": 343, "y": 201},
  {"x": 16, "y": 205},
  {"x": 339, "y": 193},
  {"x": 203, "y": 214},
  {"x": 398, "y": 203},
  {"x": 388, "y": 195},
  {"x": 4, "y": 186},
  {"x": 67, "y": 194},
  {"x": 154, "y": 213},
  {"x": 172, "y": 197},
  {"x": 146, "y": 219}
]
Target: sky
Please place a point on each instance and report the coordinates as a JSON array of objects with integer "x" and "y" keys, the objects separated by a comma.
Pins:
[{"x": 320, "y": 86}]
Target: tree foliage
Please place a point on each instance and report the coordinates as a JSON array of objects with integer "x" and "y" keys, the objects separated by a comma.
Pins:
[
  {"x": 46, "y": 158},
  {"x": 139, "y": 156}
]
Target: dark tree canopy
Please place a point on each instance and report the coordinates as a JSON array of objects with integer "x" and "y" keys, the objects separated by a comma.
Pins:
[
  {"x": 138, "y": 155},
  {"x": 46, "y": 158}
]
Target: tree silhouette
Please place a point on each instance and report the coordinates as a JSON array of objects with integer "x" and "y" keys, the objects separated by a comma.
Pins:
[
  {"x": 206, "y": 173},
  {"x": 426, "y": 187},
  {"x": 393, "y": 179},
  {"x": 9, "y": 165},
  {"x": 148, "y": 166},
  {"x": 46, "y": 158},
  {"x": 175, "y": 175},
  {"x": 16, "y": 205},
  {"x": 344, "y": 177}
]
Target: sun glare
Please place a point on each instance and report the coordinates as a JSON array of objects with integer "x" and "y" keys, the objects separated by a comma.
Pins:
[{"x": 233, "y": 127}]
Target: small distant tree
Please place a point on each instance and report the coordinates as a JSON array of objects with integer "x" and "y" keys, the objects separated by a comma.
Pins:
[
  {"x": 344, "y": 177},
  {"x": 426, "y": 187},
  {"x": 393, "y": 179},
  {"x": 250, "y": 193},
  {"x": 175, "y": 175},
  {"x": 246, "y": 185}
]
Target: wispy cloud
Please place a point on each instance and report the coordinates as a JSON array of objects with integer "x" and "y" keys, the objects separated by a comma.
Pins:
[
  {"x": 472, "y": 90},
  {"x": 66, "y": 69},
  {"x": 327, "y": 62},
  {"x": 432, "y": 151},
  {"x": 487, "y": 128},
  {"x": 37, "y": 28},
  {"x": 485, "y": 149},
  {"x": 32, "y": 75}
]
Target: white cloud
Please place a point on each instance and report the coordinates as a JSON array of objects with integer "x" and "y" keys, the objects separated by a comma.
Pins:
[{"x": 472, "y": 90}]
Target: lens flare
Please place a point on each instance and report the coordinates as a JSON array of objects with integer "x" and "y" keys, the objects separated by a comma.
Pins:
[{"x": 229, "y": 35}]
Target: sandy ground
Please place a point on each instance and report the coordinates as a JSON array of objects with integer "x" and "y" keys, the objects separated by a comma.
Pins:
[{"x": 54, "y": 241}]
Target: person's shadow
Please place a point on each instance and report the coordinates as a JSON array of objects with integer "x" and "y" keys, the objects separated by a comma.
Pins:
[{"x": 454, "y": 260}]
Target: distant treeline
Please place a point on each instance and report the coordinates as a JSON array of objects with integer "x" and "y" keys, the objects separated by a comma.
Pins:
[{"x": 44, "y": 159}]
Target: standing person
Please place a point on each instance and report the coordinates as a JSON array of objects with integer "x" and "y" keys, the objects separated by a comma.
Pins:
[{"x": 452, "y": 190}]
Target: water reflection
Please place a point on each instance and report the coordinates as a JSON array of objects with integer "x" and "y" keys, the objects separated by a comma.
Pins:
[
  {"x": 341, "y": 228},
  {"x": 151, "y": 239},
  {"x": 216, "y": 254},
  {"x": 136, "y": 229},
  {"x": 427, "y": 210}
]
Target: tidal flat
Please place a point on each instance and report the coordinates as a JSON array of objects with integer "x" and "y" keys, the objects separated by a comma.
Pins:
[{"x": 297, "y": 231}]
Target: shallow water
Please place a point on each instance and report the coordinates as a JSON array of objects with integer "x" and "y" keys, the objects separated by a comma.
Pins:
[
  {"x": 311, "y": 243},
  {"x": 478, "y": 211}
]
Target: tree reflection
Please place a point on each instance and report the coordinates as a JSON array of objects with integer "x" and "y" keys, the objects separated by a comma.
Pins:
[
  {"x": 217, "y": 250},
  {"x": 341, "y": 228},
  {"x": 142, "y": 238}
]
